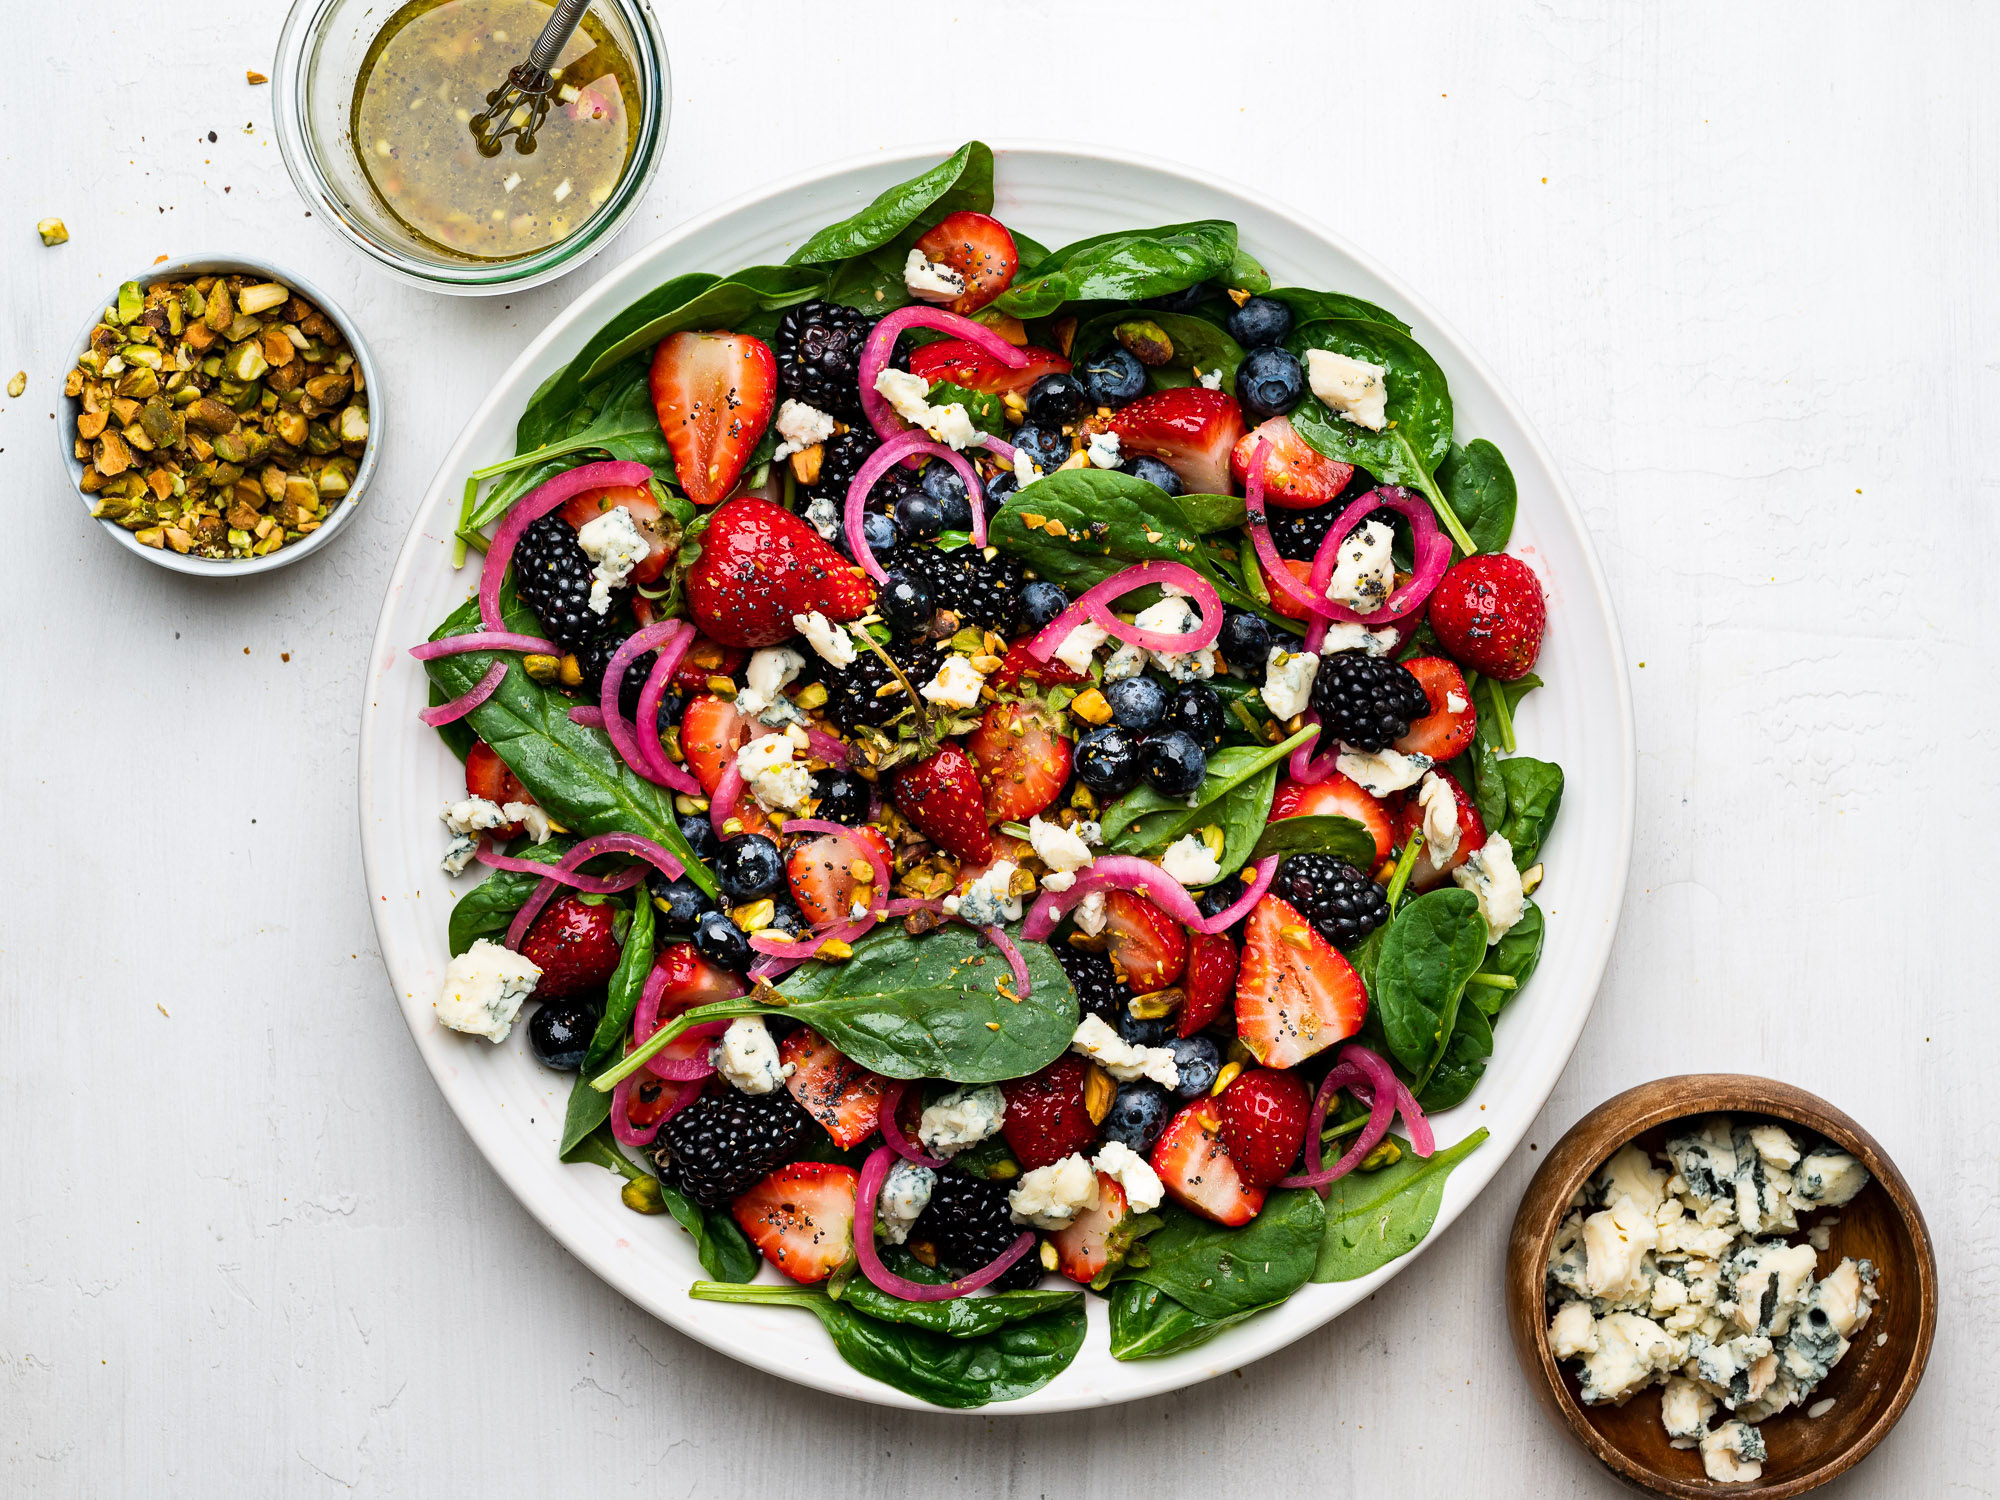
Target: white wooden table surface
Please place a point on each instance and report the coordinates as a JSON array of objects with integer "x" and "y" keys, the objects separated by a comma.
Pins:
[{"x": 1738, "y": 264}]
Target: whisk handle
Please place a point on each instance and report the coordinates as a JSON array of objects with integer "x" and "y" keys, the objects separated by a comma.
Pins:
[{"x": 548, "y": 46}]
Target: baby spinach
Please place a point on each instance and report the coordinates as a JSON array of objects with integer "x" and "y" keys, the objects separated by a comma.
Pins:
[
  {"x": 984, "y": 408},
  {"x": 722, "y": 304},
  {"x": 1431, "y": 947},
  {"x": 572, "y": 771},
  {"x": 600, "y": 1149},
  {"x": 1314, "y": 307},
  {"x": 963, "y": 180},
  {"x": 616, "y": 420},
  {"x": 1465, "y": 1055},
  {"x": 1143, "y": 821},
  {"x": 587, "y": 1107},
  {"x": 720, "y": 1244},
  {"x": 1003, "y": 1365},
  {"x": 1515, "y": 957},
  {"x": 1480, "y": 487},
  {"x": 562, "y": 392},
  {"x": 488, "y": 908},
  {"x": 1132, "y": 265},
  {"x": 1198, "y": 344},
  {"x": 913, "y": 1007},
  {"x": 1534, "y": 793},
  {"x": 1319, "y": 833},
  {"x": 1218, "y": 1272},
  {"x": 1373, "y": 1218},
  {"x": 1497, "y": 702},
  {"x": 961, "y": 1317},
  {"x": 1479, "y": 771},
  {"x": 1148, "y": 1324},
  {"x": 1242, "y": 812}
]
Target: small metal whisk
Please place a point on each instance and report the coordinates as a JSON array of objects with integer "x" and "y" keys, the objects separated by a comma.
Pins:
[{"x": 519, "y": 105}]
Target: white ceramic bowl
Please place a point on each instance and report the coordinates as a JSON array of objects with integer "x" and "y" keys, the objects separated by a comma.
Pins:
[
  {"x": 335, "y": 524},
  {"x": 513, "y": 1108}
]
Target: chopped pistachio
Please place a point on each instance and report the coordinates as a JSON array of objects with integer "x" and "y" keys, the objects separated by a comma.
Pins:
[
  {"x": 52, "y": 231},
  {"x": 131, "y": 301},
  {"x": 261, "y": 297},
  {"x": 18, "y": 384},
  {"x": 354, "y": 425}
]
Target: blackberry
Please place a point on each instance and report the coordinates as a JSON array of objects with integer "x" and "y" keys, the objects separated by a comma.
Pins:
[
  {"x": 980, "y": 590},
  {"x": 1297, "y": 533},
  {"x": 968, "y": 1224},
  {"x": 593, "y": 657},
  {"x": 552, "y": 575},
  {"x": 1367, "y": 701},
  {"x": 1099, "y": 990},
  {"x": 841, "y": 458},
  {"x": 852, "y": 691},
  {"x": 818, "y": 349},
  {"x": 1343, "y": 903},
  {"x": 728, "y": 1140}
]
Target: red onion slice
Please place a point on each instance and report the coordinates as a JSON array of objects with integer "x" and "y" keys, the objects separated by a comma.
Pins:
[
  {"x": 892, "y": 1131},
  {"x": 1432, "y": 556},
  {"x": 882, "y": 343},
  {"x": 628, "y": 1134},
  {"x": 646, "y": 1021},
  {"x": 998, "y": 938},
  {"x": 1382, "y": 1114},
  {"x": 645, "y": 731},
  {"x": 874, "y": 1172},
  {"x": 1238, "y": 909},
  {"x": 537, "y": 503},
  {"x": 722, "y": 802},
  {"x": 458, "y": 708},
  {"x": 1278, "y": 578},
  {"x": 829, "y": 749},
  {"x": 587, "y": 716},
  {"x": 590, "y": 848},
  {"x": 1095, "y": 605},
  {"x": 899, "y": 446},
  {"x": 772, "y": 968},
  {"x": 1125, "y": 872},
  {"x": 484, "y": 640},
  {"x": 590, "y": 885},
  {"x": 623, "y": 733}
]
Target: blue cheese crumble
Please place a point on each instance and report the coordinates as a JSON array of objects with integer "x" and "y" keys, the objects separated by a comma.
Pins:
[
  {"x": 906, "y": 1193},
  {"x": 483, "y": 990},
  {"x": 964, "y": 1117}
]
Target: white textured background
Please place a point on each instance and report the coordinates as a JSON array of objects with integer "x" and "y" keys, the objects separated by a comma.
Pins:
[{"x": 1737, "y": 262}]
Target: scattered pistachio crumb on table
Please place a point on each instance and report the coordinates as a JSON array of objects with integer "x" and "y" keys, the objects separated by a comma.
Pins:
[
  {"x": 18, "y": 384},
  {"x": 52, "y": 231}
]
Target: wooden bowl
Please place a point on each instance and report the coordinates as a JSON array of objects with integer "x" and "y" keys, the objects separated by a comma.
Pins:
[{"x": 1870, "y": 1387}]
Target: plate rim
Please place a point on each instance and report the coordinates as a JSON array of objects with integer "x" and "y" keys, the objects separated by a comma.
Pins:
[{"x": 1257, "y": 1338}]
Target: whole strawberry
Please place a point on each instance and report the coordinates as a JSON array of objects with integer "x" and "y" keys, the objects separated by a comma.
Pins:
[
  {"x": 1046, "y": 1117},
  {"x": 1264, "y": 1114},
  {"x": 572, "y": 944},
  {"x": 942, "y": 796},
  {"x": 1489, "y": 612},
  {"x": 759, "y": 566}
]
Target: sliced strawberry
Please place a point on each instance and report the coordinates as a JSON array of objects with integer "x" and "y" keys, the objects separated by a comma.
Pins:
[
  {"x": 705, "y": 659},
  {"x": 821, "y": 872},
  {"x": 713, "y": 394},
  {"x": 687, "y": 980},
  {"x": 1297, "y": 476},
  {"x": 651, "y": 1098},
  {"x": 1446, "y": 730},
  {"x": 1490, "y": 613},
  {"x": 1282, "y": 602},
  {"x": 1338, "y": 797},
  {"x": 636, "y": 501},
  {"x": 1023, "y": 760},
  {"x": 1017, "y": 666},
  {"x": 802, "y": 1218},
  {"x": 943, "y": 798},
  {"x": 980, "y": 249},
  {"x": 1005, "y": 846},
  {"x": 839, "y": 1093},
  {"x": 1046, "y": 1119},
  {"x": 1195, "y": 1169},
  {"x": 1264, "y": 1116},
  {"x": 1209, "y": 981},
  {"x": 1295, "y": 994},
  {"x": 1147, "y": 948},
  {"x": 486, "y": 775},
  {"x": 1428, "y": 872},
  {"x": 572, "y": 943},
  {"x": 712, "y": 731},
  {"x": 1096, "y": 1239},
  {"x": 759, "y": 566},
  {"x": 968, "y": 365},
  {"x": 1193, "y": 429}
]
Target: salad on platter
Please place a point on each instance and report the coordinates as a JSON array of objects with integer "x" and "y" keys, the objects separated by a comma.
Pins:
[{"x": 995, "y": 767}]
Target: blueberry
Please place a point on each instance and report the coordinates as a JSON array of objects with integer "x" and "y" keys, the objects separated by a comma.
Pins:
[
  {"x": 1218, "y": 898},
  {"x": 1173, "y": 762},
  {"x": 1199, "y": 1062},
  {"x": 681, "y": 903},
  {"x": 701, "y": 836},
  {"x": 1198, "y": 710},
  {"x": 1153, "y": 471},
  {"x": 904, "y": 602},
  {"x": 843, "y": 797},
  {"x": 919, "y": 516},
  {"x": 1184, "y": 301},
  {"x": 749, "y": 866},
  {"x": 717, "y": 940},
  {"x": 1245, "y": 642},
  {"x": 1269, "y": 383},
  {"x": 1136, "y": 702},
  {"x": 998, "y": 488},
  {"x": 669, "y": 715},
  {"x": 1107, "y": 761},
  {"x": 1260, "y": 321},
  {"x": 788, "y": 920},
  {"x": 941, "y": 482},
  {"x": 1138, "y": 1114},
  {"x": 1056, "y": 399},
  {"x": 1041, "y": 602},
  {"x": 880, "y": 533},
  {"x": 1114, "y": 377},
  {"x": 1049, "y": 449},
  {"x": 560, "y": 1033},
  {"x": 1147, "y": 1033}
]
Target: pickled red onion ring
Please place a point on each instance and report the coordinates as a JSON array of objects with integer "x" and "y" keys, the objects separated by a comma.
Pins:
[
  {"x": 537, "y": 503},
  {"x": 898, "y": 447},
  {"x": 671, "y": 638},
  {"x": 877, "y": 866},
  {"x": 828, "y": 748},
  {"x": 1277, "y": 577},
  {"x": 1238, "y": 909},
  {"x": 646, "y": 1021},
  {"x": 722, "y": 802},
  {"x": 892, "y": 1132},
  {"x": 1432, "y": 556},
  {"x": 1381, "y": 1115},
  {"x": 628, "y": 1134},
  {"x": 588, "y": 716},
  {"x": 590, "y": 848},
  {"x": 591, "y": 885},
  {"x": 874, "y": 1172},
  {"x": 997, "y": 936},
  {"x": 1095, "y": 605},
  {"x": 881, "y": 344},
  {"x": 459, "y": 707},
  {"x": 484, "y": 640},
  {"x": 645, "y": 729}
]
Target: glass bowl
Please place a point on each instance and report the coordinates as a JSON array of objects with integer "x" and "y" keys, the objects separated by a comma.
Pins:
[{"x": 319, "y": 61}]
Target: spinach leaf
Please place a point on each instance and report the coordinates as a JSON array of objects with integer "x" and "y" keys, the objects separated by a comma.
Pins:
[
  {"x": 572, "y": 771},
  {"x": 961, "y": 1317},
  {"x": 562, "y": 392},
  {"x": 722, "y": 304},
  {"x": 872, "y": 282},
  {"x": 1482, "y": 775},
  {"x": 1142, "y": 820},
  {"x": 1534, "y": 793},
  {"x": 1316, "y": 307},
  {"x": 457, "y": 738},
  {"x": 1480, "y": 487},
  {"x": 720, "y": 1244},
  {"x": 600, "y": 1149},
  {"x": 621, "y": 423},
  {"x": 984, "y": 408},
  {"x": 1464, "y": 1058},
  {"x": 587, "y": 1107},
  {"x": 1495, "y": 723},
  {"x": 1373, "y": 1218},
  {"x": 1133, "y": 265},
  {"x": 1217, "y": 1272},
  {"x": 1003, "y": 1365},
  {"x": 1429, "y": 950},
  {"x": 962, "y": 180},
  {"x": 1516, "y": 955},
  {"x": 1148, "y": 1324},
  {"x": 1319, "y": 833},
  {"x": 1242, "y": 812},
  {"x": 487, "y": 910},
  {"x": 1197, "y": 342},
  {"x": 1419, "y": 425}
]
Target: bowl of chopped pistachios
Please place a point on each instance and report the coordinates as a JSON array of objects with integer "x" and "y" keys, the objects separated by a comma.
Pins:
[{"x": 221, "y": 416}]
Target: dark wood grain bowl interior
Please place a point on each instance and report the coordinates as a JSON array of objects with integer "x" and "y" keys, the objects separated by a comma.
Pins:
[{"x": 1870, "y": 1387}]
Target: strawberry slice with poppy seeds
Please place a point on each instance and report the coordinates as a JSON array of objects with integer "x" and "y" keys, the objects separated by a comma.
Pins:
[
  {"x": 1193, "y": 430},
  {"x": 1280, "y": 600},
  {"x": 1208, "y": 982},
  {"x": 942, "y": 796},
  {"x": 1297, "y": 476},
  {"x": 826, "y": 874},
  {"x": 1148, "y": 949},
  {"x": 1295, "y": 993},
  {"x": 1490, "y": 613},
  {"x": 713, "y": 394},
  {"x": 1444, "y": 732},
  {"x": 1264, "y": 1116},
  {"x": 978, "y": 247},
  {"x": 1097, "y": 1239},
  {"x": 1337, "y": 797},
  {"x": 573, "y": 945},
  {"x": 638, "y": 503},
  {"x": 759, "y": 566},
  {"x": 1023, "y": 759},
  {"x": 1194, "y": 1167},
  {"x": 802, "y": 1218},
  {"x": 969, "y": 366},
  {"x": 487, "y": 776},
  {"x": 1018, "y": 666},
  {"x": 839, "y": 1093},
  {"x": 687, "y": 980},
  {"x": 712, "y": 731},
  {"x": 1047, "y": 1117}
]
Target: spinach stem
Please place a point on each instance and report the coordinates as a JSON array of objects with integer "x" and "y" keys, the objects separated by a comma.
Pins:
[
  {"x": 634, "y": 1060},
  {"x": 1496, "y": 981},
  {"x": 791, "y": 500},
  {"x": 464, "y": 515},
  {"x": 476, "y": 542},
  {"x": 1405, "y": 863},
  {"x": 729, "y": 1291},
  {"x": 1503, "y": 719},
  {"x": 1447, "y": 517}
]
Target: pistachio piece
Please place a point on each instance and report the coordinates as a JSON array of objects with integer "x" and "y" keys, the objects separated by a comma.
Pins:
[
  {"x": 52, "y": 231},
  {"x": 113, "y": 457},
  {"x": 211, "y": 415},
  {"x": 290, "y": 427},
  {"x": 336, "y": 476},
  {"x": 131, "y": 301},
  {"x": 221, "y": 309},
  {"x": 262, "y": 297},
  {"x": 1145, "y": 340},
  {"x": 18, "y": 384},
  {"x": 353, "y": 425},
  {"x": 328, "y": 390},
  {"x": 161, "y": 423}
]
